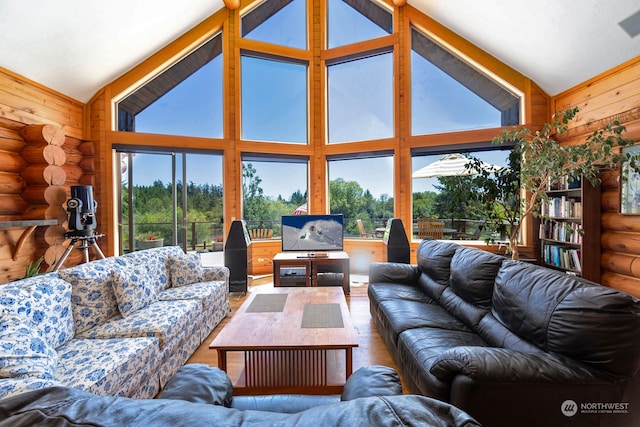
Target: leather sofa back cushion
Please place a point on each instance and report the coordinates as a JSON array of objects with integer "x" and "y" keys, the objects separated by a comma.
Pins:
[
  {"x": 563, "y": 314},
  {"x": 434, "y": 259},
  {"x": 473, "y": 274}
]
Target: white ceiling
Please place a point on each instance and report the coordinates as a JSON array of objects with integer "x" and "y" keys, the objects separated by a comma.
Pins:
[{"x": 78, "y": 46}]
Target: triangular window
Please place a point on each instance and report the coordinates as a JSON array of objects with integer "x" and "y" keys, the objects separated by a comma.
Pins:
[
  {"x": 449, "y": 95},
  {"x": 352, "y": 21},
  {"x": 280, "y": 22},
  {"x": 185, "y": 99}
]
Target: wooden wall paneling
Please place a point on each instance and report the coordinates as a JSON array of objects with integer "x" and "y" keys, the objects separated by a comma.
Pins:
[
  {"x": 613, "y": 95},
  {"x": 100, "y": 145},
  {"x": 11, "y": 183},
  {"x": 11, "y": 162},
  {"x": 45, "y": 149},
  {"x": 25, "y": 101},
  {"x": 35, "y": 123}
]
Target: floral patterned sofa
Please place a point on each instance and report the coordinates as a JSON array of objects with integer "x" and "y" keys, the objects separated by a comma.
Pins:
[{"x": 120, "y": 326}]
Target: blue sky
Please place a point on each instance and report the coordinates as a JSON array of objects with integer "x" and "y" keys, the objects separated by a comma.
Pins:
[{"x": 359, "y": 109}]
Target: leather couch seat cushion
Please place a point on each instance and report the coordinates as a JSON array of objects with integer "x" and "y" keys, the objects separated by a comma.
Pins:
[
  {"x": 394, "y": 291},
  {"x": 401, "y": 315}
]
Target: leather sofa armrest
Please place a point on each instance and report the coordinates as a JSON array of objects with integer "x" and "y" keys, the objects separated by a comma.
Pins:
[
  {"x": 372, "y": 381},
  {"x": 199, "y": 383},
  {"x": 393, "y": 272},
  {"x": 493, "y": 364},
  {"x": 218, "y": 272}
]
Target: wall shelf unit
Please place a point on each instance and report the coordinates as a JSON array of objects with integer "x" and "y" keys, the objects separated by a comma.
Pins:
[
  {"x": 570, "y": 229},
  {"x": 29, "y": 225}
]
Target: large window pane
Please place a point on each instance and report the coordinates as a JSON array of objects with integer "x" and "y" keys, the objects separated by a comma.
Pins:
[
  {"x": 445, "y": 194},
  {"x": 362, "y": 189},
  {"x": 352, "y": 21},
  {"x": 361, "y": 99},
  {"x": 185, "y": 99},
  {"x": 274, "y": 101},
  {"x": 278, "y": 22},
  {"x": 449, "y": 95},
  {"x": 158, "y": 210},
  {"x": 267, "y": 196}
]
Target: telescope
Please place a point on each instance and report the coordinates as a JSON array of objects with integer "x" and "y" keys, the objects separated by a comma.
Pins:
[
  {"x": 82, "y": 208},
  {"x": 82, "y": 222}
]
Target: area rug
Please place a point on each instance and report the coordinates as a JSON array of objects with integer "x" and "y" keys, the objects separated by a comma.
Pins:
[
  {"x": 267, "y": 303},
  {"x": 322, "y": 316}
]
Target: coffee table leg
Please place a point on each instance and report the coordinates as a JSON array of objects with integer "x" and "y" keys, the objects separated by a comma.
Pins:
[
  {"x": 349, "y": 362},
  {"x": 222, "y": 360}
]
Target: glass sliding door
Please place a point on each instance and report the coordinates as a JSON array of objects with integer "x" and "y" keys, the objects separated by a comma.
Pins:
[{"x": 158, "y": 209}]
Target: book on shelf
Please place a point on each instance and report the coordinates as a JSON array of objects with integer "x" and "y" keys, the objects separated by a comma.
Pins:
[
  {"x": 562, "y": 257},
  {"x": 563, "y": 183},
  {"x": 561, "y": 207},
  {"x": 561, "y": 231}
]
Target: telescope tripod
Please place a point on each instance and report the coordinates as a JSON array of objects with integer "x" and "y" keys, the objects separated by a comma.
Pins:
[{"x": 86, "y": 241}]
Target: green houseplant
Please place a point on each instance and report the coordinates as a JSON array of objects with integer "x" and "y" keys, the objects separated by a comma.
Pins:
[{"x": 538, "y": 161}]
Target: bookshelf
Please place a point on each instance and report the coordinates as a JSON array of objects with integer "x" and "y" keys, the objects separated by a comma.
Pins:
[{"x": 570, "y": 228}]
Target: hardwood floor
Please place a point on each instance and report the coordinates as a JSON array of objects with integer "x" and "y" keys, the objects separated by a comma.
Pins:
[{"x": 371, "y": 349}]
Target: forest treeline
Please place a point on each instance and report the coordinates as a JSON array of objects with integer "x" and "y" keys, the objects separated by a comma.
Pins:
[{"x": 154, "y": 210}]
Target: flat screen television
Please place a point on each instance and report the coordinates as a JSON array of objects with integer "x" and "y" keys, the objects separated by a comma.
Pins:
[{"x": 312, "y": 233}]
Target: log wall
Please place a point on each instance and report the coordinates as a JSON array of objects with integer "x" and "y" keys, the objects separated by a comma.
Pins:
[
  {"x": 614, "y": 95},
  {"x": 40, "y": 131}
]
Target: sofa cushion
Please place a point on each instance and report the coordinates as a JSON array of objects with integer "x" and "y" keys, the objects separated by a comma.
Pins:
[
  {"x": 568, "y": 315},
  {"x": 185, "y": 269},
  {"x": 24, "y": 352},
  {"x": 92, "y": 298},
  {"x": 401, "y": 315},
  {"x": 108, "y": 367},
  {"x": 155, "y": 261},
  {"x": 14, "y": 386},
  {"x": 473, "y": 274},
  {"x": 468, "y": 296},
  {"x": 45, "y": 301},
  {"x": 434, "y": 259},
  {"x": 214, "y": 296},
  {"x": 133, "y": 289},
  {"x": 165, "y": 320}
]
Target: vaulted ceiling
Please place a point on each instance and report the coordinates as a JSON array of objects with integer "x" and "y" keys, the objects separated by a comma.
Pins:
[{"x": 78, "y": 46}]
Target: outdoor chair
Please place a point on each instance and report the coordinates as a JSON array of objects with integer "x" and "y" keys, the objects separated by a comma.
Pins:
[
  {"x": 474, "y": 236},
  {"x": 363, "y": 232},
  {"x": 428, "y": 228},
  {"x": 260, "y": 233}
]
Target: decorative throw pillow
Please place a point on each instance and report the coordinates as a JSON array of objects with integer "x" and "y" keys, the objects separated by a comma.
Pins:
[
  {"x": 133, "y": 289},
  {"x": 93, "y": 301},
  {"x": 45, "y": 303},
  {"x": 25, "y": 352},
  {"x": 185, "y": 269}
]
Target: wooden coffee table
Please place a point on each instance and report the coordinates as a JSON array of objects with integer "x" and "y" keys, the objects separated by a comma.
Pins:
[{"x": 289, "y": 340}]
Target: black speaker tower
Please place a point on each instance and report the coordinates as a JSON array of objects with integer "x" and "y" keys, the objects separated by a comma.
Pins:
[
  {"x": 398, "y": 249},
  {"x": 236, "y": 256}
]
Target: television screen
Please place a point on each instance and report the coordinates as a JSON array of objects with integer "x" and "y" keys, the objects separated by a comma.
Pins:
[{"x": 312, "y": 233}]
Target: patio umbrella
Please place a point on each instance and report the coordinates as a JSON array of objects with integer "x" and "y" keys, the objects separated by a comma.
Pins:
[
  {"x": 300, "y": 210},
  {"x": 450, "y": 165}
]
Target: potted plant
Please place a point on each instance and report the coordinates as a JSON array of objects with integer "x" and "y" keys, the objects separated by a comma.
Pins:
[
  {"x": 538, "y": 161},
  {"x": 149, "y": 240}
]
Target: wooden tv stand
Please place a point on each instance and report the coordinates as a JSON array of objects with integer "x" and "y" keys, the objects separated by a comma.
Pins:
[{"x": 313, "y": 263}]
